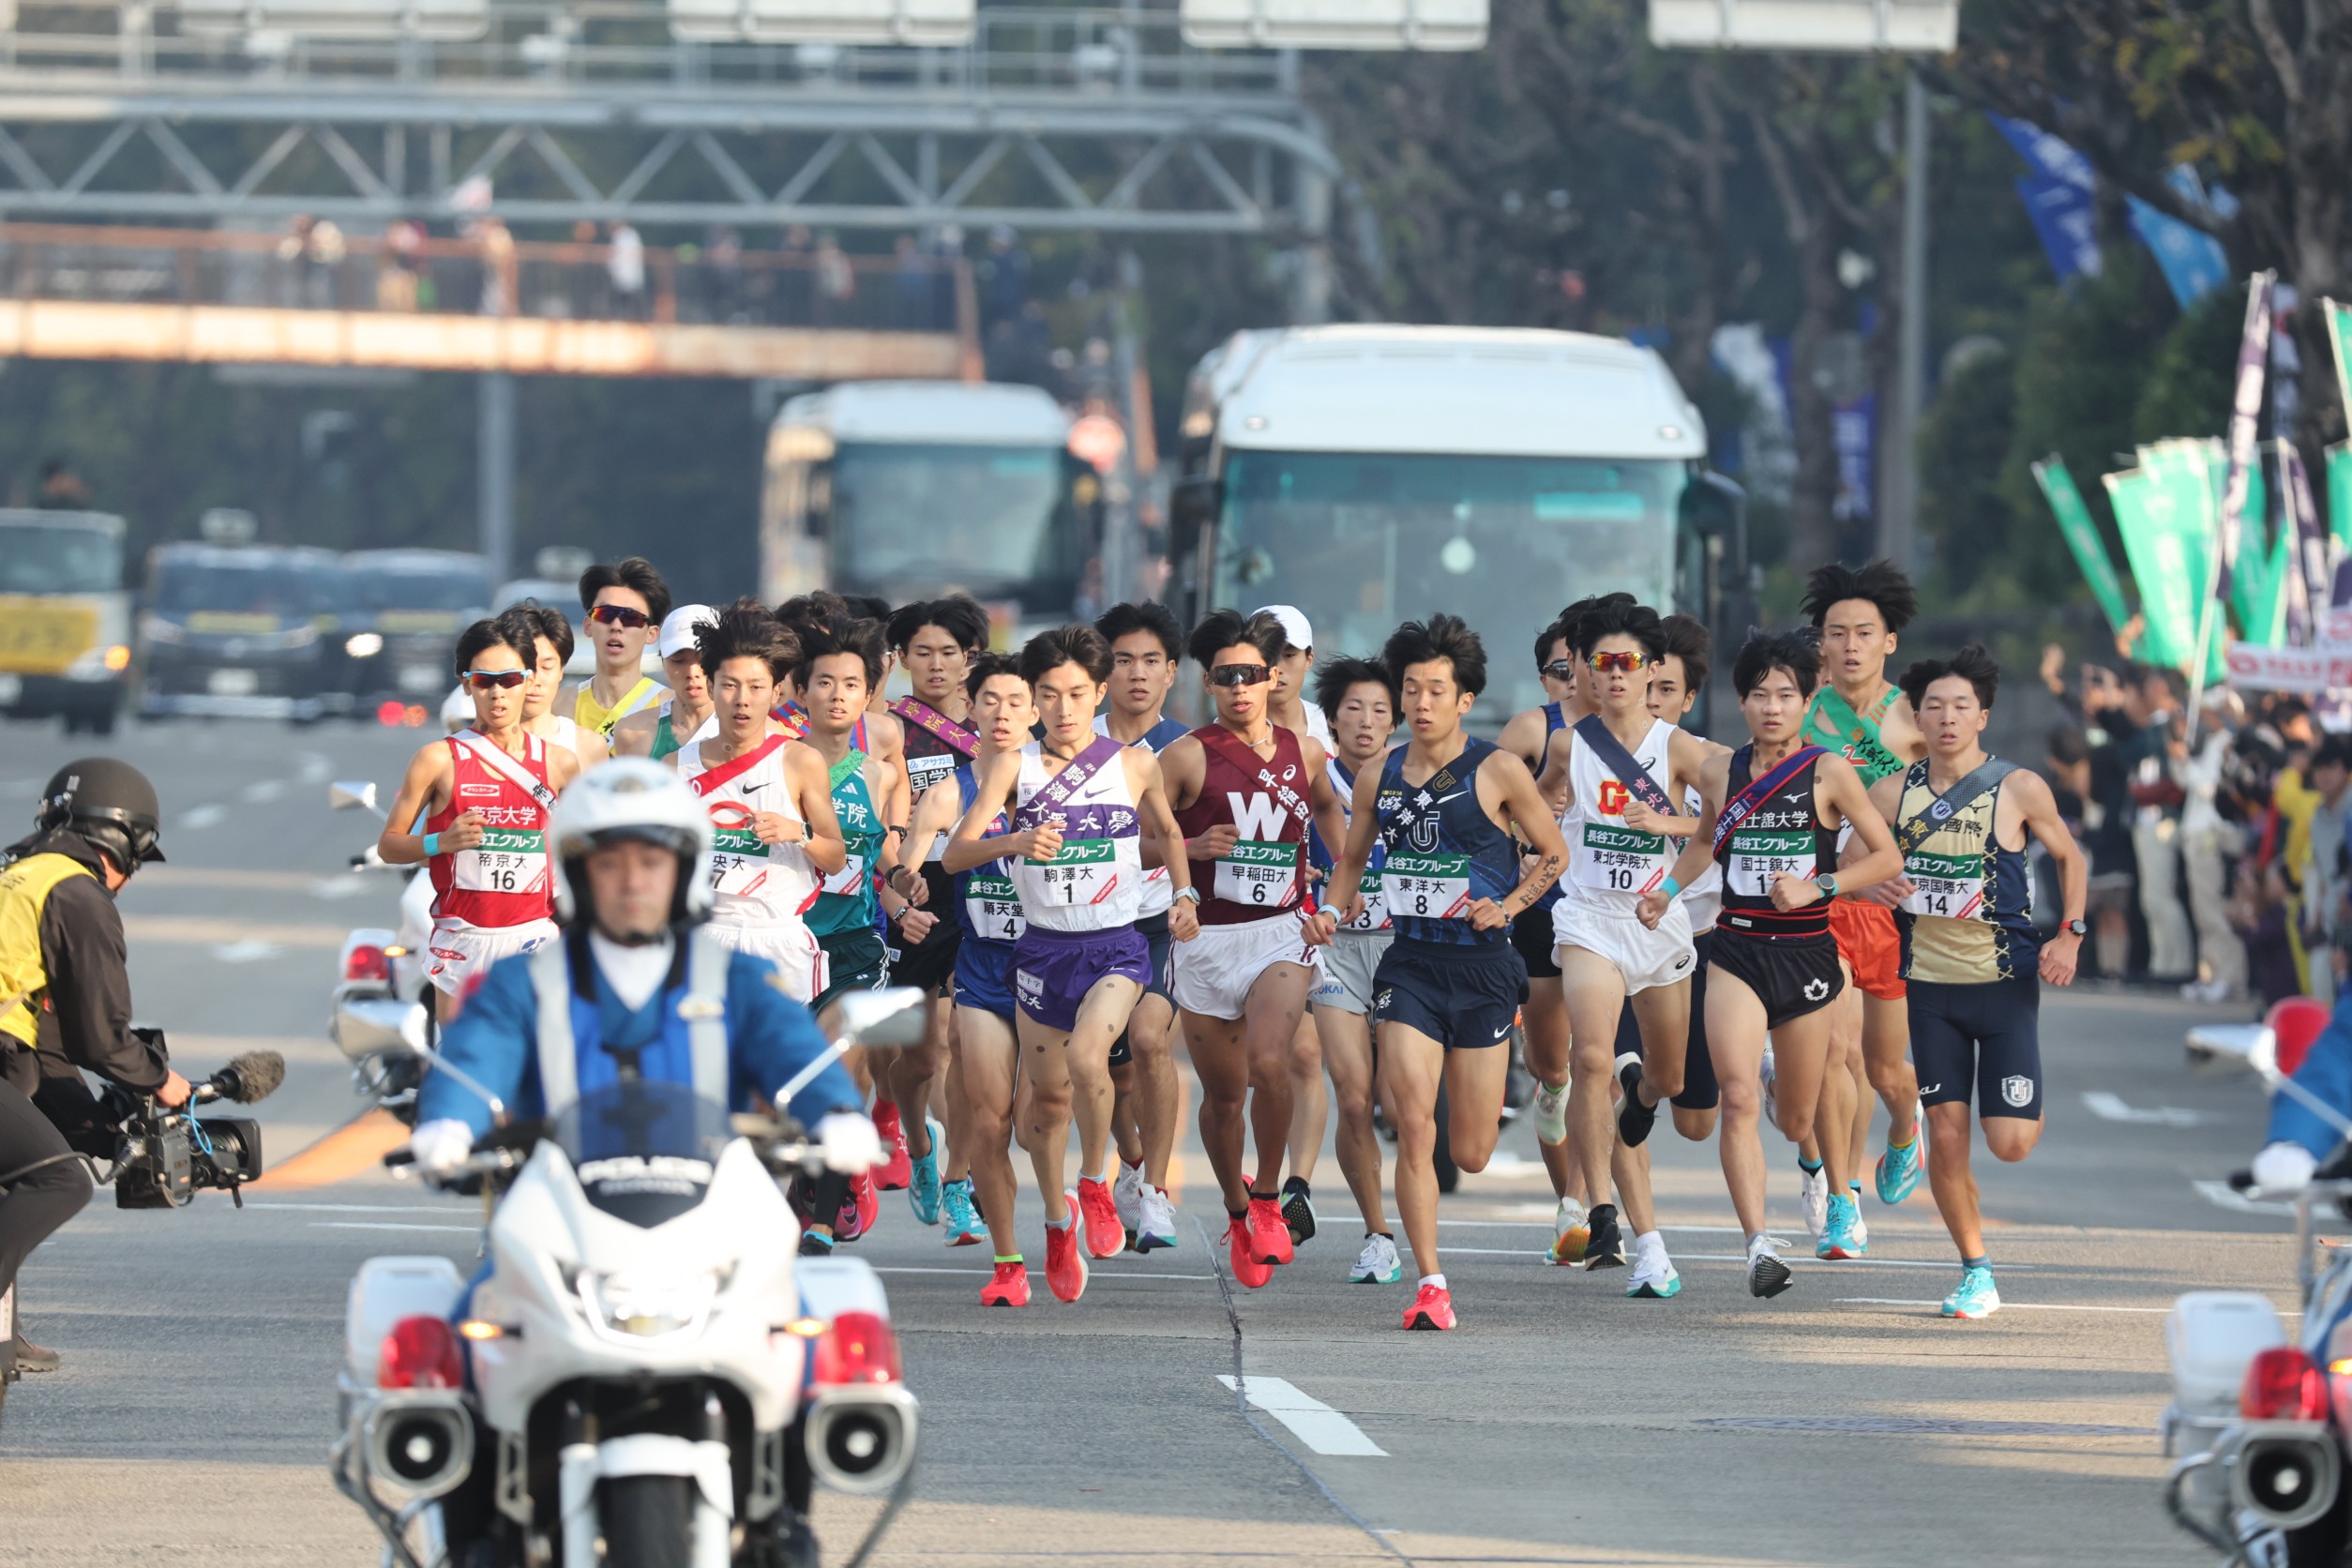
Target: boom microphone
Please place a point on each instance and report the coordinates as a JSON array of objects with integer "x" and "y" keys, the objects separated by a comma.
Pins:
[{"x": 250, "y": 1076}]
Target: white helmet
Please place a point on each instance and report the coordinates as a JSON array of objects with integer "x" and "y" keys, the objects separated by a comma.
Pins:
[{"x": 631, "y": 798}]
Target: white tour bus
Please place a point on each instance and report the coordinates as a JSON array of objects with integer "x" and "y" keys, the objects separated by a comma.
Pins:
[{"x": 1373, "y": 475}]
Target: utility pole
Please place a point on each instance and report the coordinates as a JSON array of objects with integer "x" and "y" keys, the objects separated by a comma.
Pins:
[
  {"x": 494, "y": 481},
  {"x": 1898, "y": 502}
]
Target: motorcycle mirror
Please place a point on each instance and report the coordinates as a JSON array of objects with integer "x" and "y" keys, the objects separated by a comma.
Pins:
[
  {"x": 895, "y": 1017},
  {"x": 345, "y": 796}
]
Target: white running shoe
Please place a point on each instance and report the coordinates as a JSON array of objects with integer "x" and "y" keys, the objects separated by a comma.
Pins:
[
  {"x": 1551, "y": 1113},
  {"x": 1861, "y": 1227},
  {"x": 1155, "y": 1220},
  {"x": 1653, "y": 1277},
  {"x": 1126, "y": 1196},
  {"x": 1771, "y": 1096},
  {"x": 1768, "y": 1276},
  {"x": 1813, "y": 1191},
  {"x": 1571, "y": 1230},
  {"x": 1378, "y": 1263}
]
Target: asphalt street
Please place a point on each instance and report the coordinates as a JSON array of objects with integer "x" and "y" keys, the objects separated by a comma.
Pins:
[{"x": 1843, "y": 1423}]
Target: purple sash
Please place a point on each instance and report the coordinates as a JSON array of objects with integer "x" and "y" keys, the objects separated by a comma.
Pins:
[
  {"x": 1058, "y": 790},
  {"x": 940, "y": 727}
]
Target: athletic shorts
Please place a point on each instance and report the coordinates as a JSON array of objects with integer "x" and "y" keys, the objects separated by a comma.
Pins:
[
  {"x": 1532, "y": 934},
  {"x": 1348, "y": 965},
  {"x": 785, "y": 944},
  {"x": 1155, "y": 938},
  {"x": 1866, "y": 940},
  {"x": 855, "y": 960},
  {"x": 1054, "y": 971},
  {"x": 929, "y": 963},
  {"x": 458, "y": 954},
  {"x": 1464, "y": 998},
  {"x": 1701, "y": 1090},
  {"x": 984, "y": 977},
  {"x": 1216, "y": 969},
  {"x": 1985, "y": 1036},
  {"x": 1790, "y": 976},
  {"x": 1644, "y": 957}
]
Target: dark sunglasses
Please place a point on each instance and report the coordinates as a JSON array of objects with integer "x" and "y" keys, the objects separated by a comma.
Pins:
[
  {"x": 1560, "y": 670},
  {"x": 483, "y": 680},
  {"x": 1239, "y": 674},
  {"x": 1603, "y": 663},
  {"x": 619, "y": 615}
]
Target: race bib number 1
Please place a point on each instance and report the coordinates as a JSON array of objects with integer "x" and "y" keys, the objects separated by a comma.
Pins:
[
  {"x": 509, "y": 860},
  {"x": 1758, "y": 857},
  {"x": 1427, "y": 887},
  {"x": 1083, "y": 871},
  {"x": 1951, "y": 886},
  {"x": 1258, "y": 872}
]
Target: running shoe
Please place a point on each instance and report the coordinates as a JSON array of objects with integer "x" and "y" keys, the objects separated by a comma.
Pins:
[
  {"x": 1570, "y": 1232},
  {"x": 1157, "y": 1227},
  {"x": 922, "y": 1190},
  {"x": 1378, "y": 1263},
  {"x": 1771, "y": 1088},
  {"x": 1605, "y": 1248},
  {"x": 860, "y": 1209},
  {"x": 1653, "y": 1277},
  {"x": 1838, "y": 1240},
  {"x": 1298, "y": 1210},
  {"x": 894, "y": 1173},
  {"x": 1009, "y": 1286},
  {"x": 1243, "y": 1256},
  {"x": 1551, "y": 1113},
  {"x": 1104, "y": 1236},
  {"x": 1633, "y": 1119},
  {"x": 1768, "y": 1276},
  {"x": 1975, "y": 1297},
  {"x": 1899, "y": 1169},
  {"x": 1813, "y": 1191},
  {"x": 1269, "y": 1234},
  {"x": 1432, "y": 1308},
  {"x": 815, "y": 1244},
  {"x": 1065, "y": 1251},
  {"x": 1127, "y": 1193},
  {"x": 963, "y": 1221},
  {"x": 1862, "y": 1225}
]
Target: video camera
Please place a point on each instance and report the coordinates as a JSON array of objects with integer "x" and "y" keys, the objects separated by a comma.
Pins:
[{"x": 164, "y": 1156}]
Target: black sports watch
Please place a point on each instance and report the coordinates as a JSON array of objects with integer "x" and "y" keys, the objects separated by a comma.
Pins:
[{"x": 2080, "y": 928}]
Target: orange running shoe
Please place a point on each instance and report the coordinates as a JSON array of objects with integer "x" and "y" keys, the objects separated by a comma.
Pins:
[
  {"x": 860, "y": 1207},
  {"x": 1243, "y": 1256},
  {"x": 896, "y": 1173},
  {"x": 1008, "y": 1287},
  {"x": 1065, "y": 1254},
  {"x": 1433, "y": 1308},
  {"x": 1269, "y": 1232},
  {"x": 1106, "y": 1232}
]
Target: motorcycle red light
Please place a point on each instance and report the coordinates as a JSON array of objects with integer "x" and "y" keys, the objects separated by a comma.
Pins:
[
  {"x": 860, "y": 1348},
  {"x": 2295, "y": 1024},
  {"x": 390, "y": 714},
  {"x": 367, "y": 962},
  {"x": 2281, "y": 1385},
  {"x": 420, "y": 1353}
]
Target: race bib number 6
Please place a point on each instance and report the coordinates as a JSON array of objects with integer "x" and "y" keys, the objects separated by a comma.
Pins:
[
  {"x": 1258, "y": 872},
  {"x": 508, "y": 859}
]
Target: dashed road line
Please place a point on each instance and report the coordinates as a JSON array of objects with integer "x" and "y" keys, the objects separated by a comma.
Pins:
[{"x": 1312, "y": 1422}]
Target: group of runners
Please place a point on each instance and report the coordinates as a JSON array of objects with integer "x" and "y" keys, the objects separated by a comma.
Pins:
[{"x": 1332, "y": 892}]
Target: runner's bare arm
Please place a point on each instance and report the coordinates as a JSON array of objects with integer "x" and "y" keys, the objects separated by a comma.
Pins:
[
  {"x": 1886, "y": 802},
  {"x": 1553, "y": 782},
  {"x": 893, "y": 809},
  {"x": 562, "y": 766},
  {"x": 424, "y": 790},
  {"x": 634, "y": 735},
  {"x": 1836, "y": 784},
  {"x": 1344, "y": 892},
  {"x": 1520, "y": 808},
  {"x": 1150, "y": 790},
  {"x": 991, "y": 790},
  {"x": 811, "y": 785},
  {"x": 2060, "y": 954},
  {"x": 1329, "y": 819},
  {"x": 1523, "y": 737},
  {"x": 1715, "y": 782},
  {"x": 934, "y": 819}
]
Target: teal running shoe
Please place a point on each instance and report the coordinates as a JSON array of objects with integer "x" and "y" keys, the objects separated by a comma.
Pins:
[
  {"x": 1840, "y": 1231},
  {"x": 1899, "y": 1169},
  {"x": 923, "y": 1183},
  {"x": 1975, "y": 1298},
  {"x": 963, "y": 1221}
]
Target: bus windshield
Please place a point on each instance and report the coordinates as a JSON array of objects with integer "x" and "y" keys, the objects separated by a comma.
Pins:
[
  {"x": 993, "y": 520},
  {"x": 453, "y": 589},
  {"x": 1362, "y": 541},
  {"x": 263, "y": 585},
  {"x": 36, "y": 558}
]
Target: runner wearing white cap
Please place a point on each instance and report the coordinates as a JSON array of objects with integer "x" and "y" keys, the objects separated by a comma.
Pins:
[{"x": 687, "y": 716}]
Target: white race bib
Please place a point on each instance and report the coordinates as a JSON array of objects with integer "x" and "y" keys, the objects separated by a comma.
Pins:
[
  {"x": 1256, "y": 871},
  {"x": 1951, "y": 886},
  {"x": 1083, "y": 871},
  {"x": 993, "y": 906},
  {"x": 1615, "y": 859},
  {"x": 849, "y": 879},
  {"x": 739, "y": 862},
  {"x": 509, "y": 860},
  {"x": 1761, "y": 855},
  {"x": 1427, "y": 886}
]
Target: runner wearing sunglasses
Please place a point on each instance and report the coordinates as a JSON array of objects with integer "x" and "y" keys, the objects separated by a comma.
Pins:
[
  {"x": 483, "y": 794},
  {"x": 1245, "y": 789},
  {"x": 1624, "y": 772},
  {"x": 625, "y": 604}
]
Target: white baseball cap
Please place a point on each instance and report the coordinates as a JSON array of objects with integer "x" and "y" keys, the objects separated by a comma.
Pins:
[
  {"x": 677, "y": 628},
  {"x": 1295, "y": 631}
]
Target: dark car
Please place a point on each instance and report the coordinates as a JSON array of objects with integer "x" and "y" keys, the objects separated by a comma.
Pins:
[
  {"x": 408, "y": 607},
  {"x": 242, "y": 631}
]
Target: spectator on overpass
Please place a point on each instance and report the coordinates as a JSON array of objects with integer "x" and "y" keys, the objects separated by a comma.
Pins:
[{"x": 626, "y": 267}]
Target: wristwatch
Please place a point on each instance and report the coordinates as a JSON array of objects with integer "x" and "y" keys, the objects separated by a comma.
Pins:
[
  {"x": 1192, "y": 893},
  {"x": 2080, "y": 928},
  {"x": 1827, "y": 884}
]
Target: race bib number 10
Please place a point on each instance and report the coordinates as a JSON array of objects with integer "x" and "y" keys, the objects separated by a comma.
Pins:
[
  {"x": 508, "y": 859},
  {"x": 1619, "y": 859}
]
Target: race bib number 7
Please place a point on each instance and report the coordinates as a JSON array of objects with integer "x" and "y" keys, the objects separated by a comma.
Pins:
[
  {"x": 739, "y": 862},
  {"x": 1951, "y": 886},
  {"x": 1258, "y": 872},
  {"x": 508, "y": 859},
  {"x": 1427, "y": 887}
]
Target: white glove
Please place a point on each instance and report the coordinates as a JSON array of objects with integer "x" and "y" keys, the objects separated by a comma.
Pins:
[
  {"x": 849, "y": 1142},
  {"x": 2284, "y": 1168},
  {"x": 440, "y": 1147}
]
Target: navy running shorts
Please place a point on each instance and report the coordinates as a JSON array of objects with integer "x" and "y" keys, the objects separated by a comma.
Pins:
[
  {"x": 1154, "y": 931},
  {"x": 984, "y": 977},
  {"x": 1984, "y": 1037},
  {"x": 1464, "y": 998}
]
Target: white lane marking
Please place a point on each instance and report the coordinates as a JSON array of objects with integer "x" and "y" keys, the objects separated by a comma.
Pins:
[
  {"x": 261, "y": 792},
  {"x": 1312, "y": 1422},
  {"x": 249, "y": 952},
  {"x": 1546, "y": 1226},
  {"x": 1092, "y": 1276},
  {"x": 315, "y": 768},
  {"x": 339, "y": 887},
  {"x": 2005, "y": 1306},
  {"x": 203, "y": 816},
  {"x": 2111, "y": 1108},
  {"x": 2223, "y": 1196},
  {"x": 356, "y": 1225},
  {"x": 1728, "y": 1257},
  {"x": 360, "y": 1208}
]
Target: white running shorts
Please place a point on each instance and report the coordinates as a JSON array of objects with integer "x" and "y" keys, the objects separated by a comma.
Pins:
[
  {"x": 1347, "y": 966},
  {"x": 1216, "y": 969},
  {"x": 458, "y": 954},
  {"x": 1645, "y": 958},
  {"x": 785, "y": 944}
]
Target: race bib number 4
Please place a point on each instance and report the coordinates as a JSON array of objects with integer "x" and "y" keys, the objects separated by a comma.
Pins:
[
  {"x": 993, "y": 907},
  {"x": 1427, "y": 887},
  {"x": 1951, "y": 886},
  {"x": 1258, "y": 872},
  {"x": 1083, "y": 871},
  {"x": 1758, "y": 857},
  {"x": 1619, "y": 859},
  {"x": 508, "y": 859}
]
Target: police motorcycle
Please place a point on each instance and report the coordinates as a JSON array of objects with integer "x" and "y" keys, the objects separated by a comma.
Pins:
[
  {"x": 378, "y": 1015},
  {"x": 2261, "y": 1419},
  {"x": 656, "y": 1380}
]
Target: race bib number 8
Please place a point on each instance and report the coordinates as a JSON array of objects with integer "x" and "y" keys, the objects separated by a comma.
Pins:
[
  {"x": 1083, "y": 871},
  {"x": 1951, "y": 886},
  {"x": 1757, "y": 858},
  {"x": 1258, "y": 872},
  {"x": 993, "y": 907},
  {"x": 1619, "y": 859},
  {"x": 509, "y": 860},
  {"x": 1427, "y": 887}
]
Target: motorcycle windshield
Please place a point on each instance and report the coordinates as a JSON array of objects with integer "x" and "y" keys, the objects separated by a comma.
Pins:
[{"x": 643, "y": 1152}]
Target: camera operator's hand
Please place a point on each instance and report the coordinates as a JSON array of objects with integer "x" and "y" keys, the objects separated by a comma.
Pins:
[
  {"x": 174, "y": 1092},
  {"x": 849, "y": 1142},
  {"x": 439, "y": 1147}
]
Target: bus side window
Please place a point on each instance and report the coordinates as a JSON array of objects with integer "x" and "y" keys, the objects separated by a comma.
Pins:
[{"x": 820, "y": 518}]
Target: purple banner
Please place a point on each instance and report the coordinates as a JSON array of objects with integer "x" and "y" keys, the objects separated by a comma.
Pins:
[
  {"x": 2307, "y": 576},
  {"x": 2253, "y": 354}
]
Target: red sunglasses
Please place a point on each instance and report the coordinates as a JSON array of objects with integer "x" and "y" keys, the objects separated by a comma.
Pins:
[
  {"x": 483, "y": 680},
  {"x": 619, "y": 615}
]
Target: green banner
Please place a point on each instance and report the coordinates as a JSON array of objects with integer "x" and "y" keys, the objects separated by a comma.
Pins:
[
  {"x": 2339, "y": 494},
  {"x": 2082, "y": 537},
  {"x": 2164, "y": 510}
]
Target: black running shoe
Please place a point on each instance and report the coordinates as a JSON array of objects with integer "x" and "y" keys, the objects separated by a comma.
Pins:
[
  {"x": 1767, "y": 1275},
  {"x": 1298, "y": 1210},
  {"x": 1633, "y": 1119},
  {"x": 815, "y": 1244},
  {"x": 1606, "y": 1247}
]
